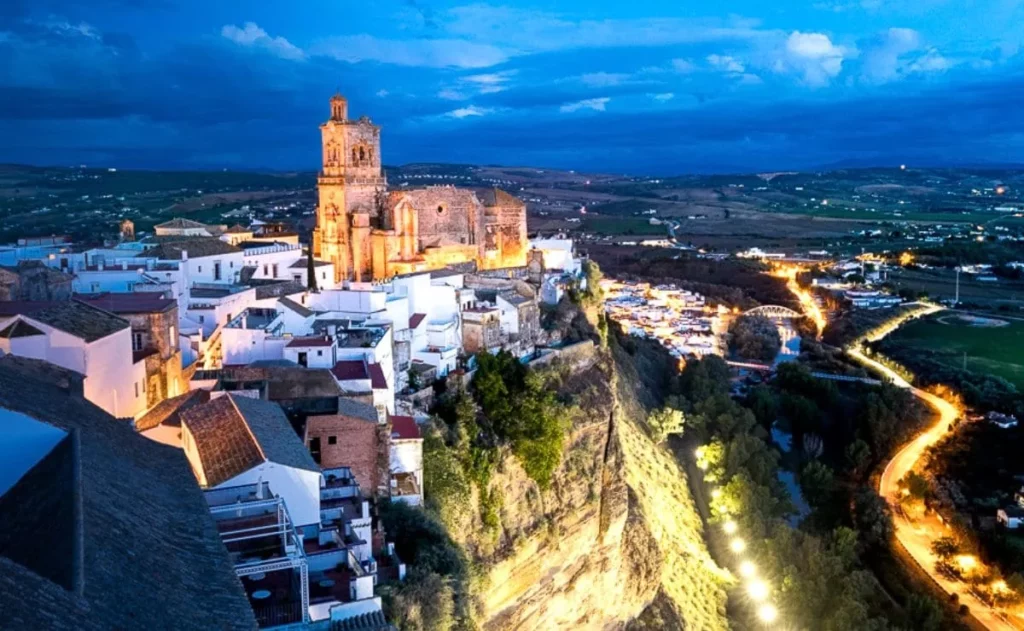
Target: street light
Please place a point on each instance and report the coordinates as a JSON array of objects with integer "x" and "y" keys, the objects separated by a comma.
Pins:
[
  {"x": 757, "y": 590},
  {"x": 730, "y": 527},
  {"x": 748, "y": 569},
  {"x": 717, "y": 493},
  {"x": 738, "y": 545},
  {"x": 767, "y": 613}
]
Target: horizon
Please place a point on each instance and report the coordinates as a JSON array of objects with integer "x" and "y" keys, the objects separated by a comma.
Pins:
[{"x": 597, "y": 87}]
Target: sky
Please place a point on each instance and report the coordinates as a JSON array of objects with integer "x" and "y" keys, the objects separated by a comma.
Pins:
[{"x": 651, "y": 87}]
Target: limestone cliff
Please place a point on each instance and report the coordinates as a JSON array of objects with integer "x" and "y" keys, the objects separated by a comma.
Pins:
[{"x": 614, "y": 532}]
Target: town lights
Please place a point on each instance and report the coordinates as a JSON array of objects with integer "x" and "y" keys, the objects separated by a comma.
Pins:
[
  {"x": 738, "y": 545},
  {"x": 757, "y": 590},
  {"x": 747, "y": 569},
  {"x": 967, "y": 561},
  {"x": 767, "y": 613},
  {"x": 730, "y": 527}
]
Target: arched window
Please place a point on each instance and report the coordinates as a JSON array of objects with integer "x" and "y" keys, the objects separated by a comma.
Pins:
[
  {"x": 362, "y": 155},
  {"x": 355, "y": 156}
]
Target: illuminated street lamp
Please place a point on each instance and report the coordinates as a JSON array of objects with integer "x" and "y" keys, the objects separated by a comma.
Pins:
[
  {"x": 966, "y": 561},
  {"x": 767, "y": 613},
  {"x": 738, "y": 545},
  {"x": 716, "y": 494},
  {"x": 757, "y": 590},
  {"x": 730, "y": 527},
  {"x": 748, "y": 569}
]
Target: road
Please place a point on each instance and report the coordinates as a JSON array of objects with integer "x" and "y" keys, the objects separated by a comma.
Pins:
[{"x": 916, "y": 537}]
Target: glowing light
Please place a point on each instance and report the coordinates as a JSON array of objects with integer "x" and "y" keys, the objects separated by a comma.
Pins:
[
  {"x": 738, "y": 545},
  {"x": 767, "y": 613},
  {"x": 757, "y": 590},
  {"x": 966, "y": 561},
  {"x": 716, "y": 494},
  {"x": 1000, "y": 190},
  {"x": 903, "y": 167},
  {"x": 730, "y": 527},
  {"x": 747, "y": 569},
  {"x": 906, "y": 259},
  {"x": 999, "y": 586}
]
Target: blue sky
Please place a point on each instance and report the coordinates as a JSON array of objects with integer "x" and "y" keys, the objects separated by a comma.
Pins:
[{"x": 643, "y": 87}]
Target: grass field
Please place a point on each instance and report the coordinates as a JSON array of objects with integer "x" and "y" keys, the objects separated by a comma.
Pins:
[
  {"x": 622, "y": 226},
  {"x": 995, "y": 350}
]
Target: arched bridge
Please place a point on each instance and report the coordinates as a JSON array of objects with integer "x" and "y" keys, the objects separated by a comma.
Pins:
[{"x": 774, "y": 311}]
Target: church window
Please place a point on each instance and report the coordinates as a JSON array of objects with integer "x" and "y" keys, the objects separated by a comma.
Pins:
[
  {"x": 440, "y": 209},
  {"x": 362, "y": 155},
  {"x": 355, "y": 156}
]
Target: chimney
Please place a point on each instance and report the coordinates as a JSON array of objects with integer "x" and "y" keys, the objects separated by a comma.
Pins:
[
  {"x": 124, "y": 265},
  {"x": 184, "y": 255},
  {"x": 332, "y": 330},
  {"x": 150, "y": 264}
]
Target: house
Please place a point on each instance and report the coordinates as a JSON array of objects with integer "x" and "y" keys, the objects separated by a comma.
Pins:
[
  {"x": 355, "y": 438},
  {"x": 312, "y": 352},
  {"x": 101, "y": 528},
  {"x": 212, "y": 305},
  {"x": 78, "y": 336},
  {"x": 32, "y": 280},
  {"x": 481, "y": 329},
  {"x": 236, "y": 440},
  {"x": 406, "y": 460},
  {"x": 299, "y": 391},
  {"x": 1011, "y": 516},
  {"x": 180, "y": 227},
  {"x": 205, "y": 259},
  {"x": 155, "y": 339}
]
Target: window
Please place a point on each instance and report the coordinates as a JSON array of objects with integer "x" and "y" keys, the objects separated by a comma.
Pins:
[
  {"x": 136, "y": 389},
  {"x": 314, "y": 448},
  {"x": 297, "y": 278},
  {"x": 216, "y": 270},
  {"x": 275, "y": 270},
  {"x": 440, "y": 209},
  {"x": 95, "y": 287},
  {"x": 143, "y": 386},
  {"x": 136, "y": 340},
  {"x": 227, "y": 318},
  {"x": 319, "y": 353},
  {"x": 173, "y": 334},
  {"x": 266, "y": 269},
  {"x": 323, "y": 275},
  {"x": 332, "y": 440},
  {"x": 201, "y": 319},
  {"x": 200, "y": 269}
]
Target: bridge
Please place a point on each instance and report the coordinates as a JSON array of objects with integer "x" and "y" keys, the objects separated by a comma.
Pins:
[
  {"x": 775, "y": 311},
  {"x": 820, "y": 375}
]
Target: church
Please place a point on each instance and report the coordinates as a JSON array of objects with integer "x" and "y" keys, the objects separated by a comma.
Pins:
[{"x": 370, "y": 233}]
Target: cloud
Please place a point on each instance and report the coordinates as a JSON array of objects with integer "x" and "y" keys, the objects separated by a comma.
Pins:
[
  {"x": 449, "y": 94},
  {"x": 683, "y": 66},
  {"x": 598, "y": 105},
  {"x": 814, "y": 56},
  {"x": 472, "y": 110},
  {"x": 491, "y": 82},
  {"x": 604, "y": 79},
  {"x": 663, "y": 96},
  {"x": 898, "y": 53},
  {"x": 251, "y": 35},
  {"x": 726, "y": 63},
  {"x": 382, "y": 93},
  {"x": 419, "y": 53}
]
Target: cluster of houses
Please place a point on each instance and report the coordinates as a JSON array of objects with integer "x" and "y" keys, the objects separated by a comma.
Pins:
[
  {"x": 679, "y": 319},
  {"x": 294, "y": 401}
]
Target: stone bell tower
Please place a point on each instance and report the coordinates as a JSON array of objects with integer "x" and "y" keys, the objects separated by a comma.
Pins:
[{"x": 348, "y": 187}]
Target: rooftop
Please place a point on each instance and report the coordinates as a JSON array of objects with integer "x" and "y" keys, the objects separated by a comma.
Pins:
[
  {"x": 74, "y": 317},
  {"x": 405, "y": 428},
  {"x": 415, "y": 320},
  {"x": 310, "y": 342},
  {"x": 377, "y": 379},
  {"x": 19, "y": 328},
  {"x": 349, "y": 369},
  {"x": 141, "y": 302},
  {"x": 171, "y": 248},
  {"x": 291, "y": 305},
  {"x": 180, "y": 223},
  {"x": 124, "y": 505}
]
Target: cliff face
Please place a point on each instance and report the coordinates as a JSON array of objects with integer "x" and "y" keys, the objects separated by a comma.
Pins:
[{"x": 615, "y": 530}]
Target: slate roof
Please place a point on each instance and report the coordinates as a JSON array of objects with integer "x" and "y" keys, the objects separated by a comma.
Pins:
[
  {"x": 290, "y": 304},
  {"x": 349, "y": 369},
  {"x": 246, "y": 273},
  {"x": 514, "y": 298},
  {"x": 405, "y": 428},
  {"x": 286, "y": 382},
  {"x": 71, "y": 316},
  {"x": 357, "y": 409},
  {"x": 170, "y": 248},
  {"x": 302, "y": 264},
  {"x": 238, "y": 229},
  {"x": 277, "y": 289},
  {"x": 139, "y": 302},
  {"x": 274, "y": 434},
  {"x": 415, "y": 319},
  {"x": 19, "y": 328},
  {"x": 118, "y": 517}
]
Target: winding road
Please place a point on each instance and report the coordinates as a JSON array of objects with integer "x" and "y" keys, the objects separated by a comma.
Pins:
[{"x": 916, "y": 537}]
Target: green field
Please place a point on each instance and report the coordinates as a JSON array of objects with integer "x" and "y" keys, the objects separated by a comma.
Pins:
[
  {"x": 622, "y": 226},
  {"x": 996, "y": 350}
]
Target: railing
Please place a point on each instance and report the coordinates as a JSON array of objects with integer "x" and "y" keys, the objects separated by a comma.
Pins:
[{"x": 277, "y": 615}]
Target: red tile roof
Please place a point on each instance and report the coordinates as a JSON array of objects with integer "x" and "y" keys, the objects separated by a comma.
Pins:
[
  {"x": 306, "y": 342},
  {"x": 405, "y": 428},
  {"x": 415, "y": 320},
  {"x": 349, "y": 369},
  {"x": 377, "y": 380}
]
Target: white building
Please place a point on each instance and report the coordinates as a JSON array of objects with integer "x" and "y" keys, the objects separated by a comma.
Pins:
[
  {"x": 406, "y": 460},
  {"x": 92, "y": 342},
  {"x": 236, "y": 440}
]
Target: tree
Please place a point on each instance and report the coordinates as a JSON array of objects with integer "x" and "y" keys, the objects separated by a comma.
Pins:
[
  {"x": 311, "y": 272},
  {"x": 916, "y": 484},
  {"x": 872, "y": 518},
  {"x": 817, "y": 483},
  {"x": 754, "y": 337},
  {"x": 663, "y": 422},
  {"x": 858, "y": 457},
  {"x": 923, "y": 613},
  {"x": 945, "y": 547}
]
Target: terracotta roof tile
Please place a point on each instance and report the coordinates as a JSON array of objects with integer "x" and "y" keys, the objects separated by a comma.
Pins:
[{"x": 405, "y": 428}]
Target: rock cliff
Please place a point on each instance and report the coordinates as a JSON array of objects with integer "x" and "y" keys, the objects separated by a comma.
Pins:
[{"x": 615, "y": 532}]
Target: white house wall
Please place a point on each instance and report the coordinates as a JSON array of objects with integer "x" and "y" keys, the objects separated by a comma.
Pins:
[{"x": 300, "y": 489}]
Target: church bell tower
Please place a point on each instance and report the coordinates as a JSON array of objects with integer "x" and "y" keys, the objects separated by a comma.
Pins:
[{"x": 348, "y": 187}]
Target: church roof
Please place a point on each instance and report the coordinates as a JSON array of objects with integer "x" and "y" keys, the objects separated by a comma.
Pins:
[{"x": 180, "y": 223}]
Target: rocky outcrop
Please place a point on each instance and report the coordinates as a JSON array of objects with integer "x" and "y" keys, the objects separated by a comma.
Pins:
[{"x": 615, "y": 531}]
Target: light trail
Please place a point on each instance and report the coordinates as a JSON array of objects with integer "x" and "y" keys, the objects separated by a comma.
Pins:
[
  {"x": 916, "y": 538},
  {"x": 809, "y": 305}
]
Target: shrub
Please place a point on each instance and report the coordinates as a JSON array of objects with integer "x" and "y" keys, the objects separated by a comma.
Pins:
[{"x": 754, "y": 337}]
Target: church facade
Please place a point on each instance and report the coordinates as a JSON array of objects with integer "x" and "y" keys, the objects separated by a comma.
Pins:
[{"x": 370, "y": 233}]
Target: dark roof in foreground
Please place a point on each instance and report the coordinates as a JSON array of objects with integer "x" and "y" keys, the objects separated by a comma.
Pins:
[
  {"x": 138, "y": 302},
  {"x": 195, "y": 247},
  {"x": 115, "y": 520},
  {"x": 71, "y": 316},
  {"x": 169, "y": 410},
  {"x": 19, "y": 328},
  {"x": 236, "y": 433}
]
